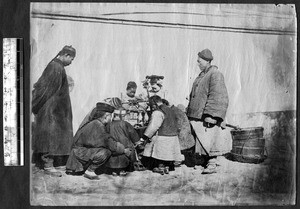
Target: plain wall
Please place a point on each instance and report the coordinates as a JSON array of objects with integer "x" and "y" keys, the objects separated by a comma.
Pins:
[{"x": 259, "y": 69}]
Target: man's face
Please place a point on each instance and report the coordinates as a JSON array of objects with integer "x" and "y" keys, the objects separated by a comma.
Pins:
[
  {"x": 202, "y": 64},
  {"x": 131, "y": 92},
  {"x": 107, "y": 118},
  {"x": 67, "y": 60}
]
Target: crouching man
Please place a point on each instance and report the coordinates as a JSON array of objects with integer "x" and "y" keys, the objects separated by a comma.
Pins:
[
  {"x": 93, "y": 145},
  {"x": 123, "y": 132}
]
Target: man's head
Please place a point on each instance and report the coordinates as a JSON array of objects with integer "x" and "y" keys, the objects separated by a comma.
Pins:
[
  {"x": 115, "y": 102},
  {"x": 103, "y": 112},
  {"x": 67, "y": 55},
  {"x": 204, "y": 59},
  {"x": 166, "y": 102},
  {"x": 155, "y": 102},
  {"x": 131, "y": 89},
  {"x": 119, "y": 113}
]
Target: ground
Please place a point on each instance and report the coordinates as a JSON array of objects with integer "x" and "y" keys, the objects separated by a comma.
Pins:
[{"x": 235, "y": 183}]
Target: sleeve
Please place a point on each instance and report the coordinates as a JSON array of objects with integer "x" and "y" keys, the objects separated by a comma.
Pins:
[
  {"x": 133, "y": 135},
  {"x": 217, "y": 100},
  {"x": 115, "y": 147},
  {"x": 47, "y": 85},
  {"x": 156, "y": 121},
  {"x": 95, "y": 136}
]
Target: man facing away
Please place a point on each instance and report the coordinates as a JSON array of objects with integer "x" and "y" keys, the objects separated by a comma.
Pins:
[
  {"x": 51, "y": 106},
  {"x": 93, "y": 145},
  {"x": 186, "y": 139},
  {"x": 122, "y": 132},
  {"x": 161, "y": 136},
  {"x": 207, "y": 108}
]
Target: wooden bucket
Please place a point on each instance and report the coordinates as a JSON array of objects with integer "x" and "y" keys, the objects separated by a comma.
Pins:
[{"x": 248, "y": 145}]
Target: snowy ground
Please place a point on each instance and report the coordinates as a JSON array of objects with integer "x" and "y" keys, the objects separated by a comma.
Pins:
[{"x": 234, "y": 184}]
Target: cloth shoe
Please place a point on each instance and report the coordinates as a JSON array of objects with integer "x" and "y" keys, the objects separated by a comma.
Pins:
[
  {"x": 210, "y": 169},
  {"x": 91, "y": 175},
  {"x": 60, "y": 168},
  {"x": 52, "y": 172},
  {"x": 159, "y": 170},
  {"x": 123, "y": 173},
  {"x": 177, "y": 163},
  {"x": 166, "y": 170}
]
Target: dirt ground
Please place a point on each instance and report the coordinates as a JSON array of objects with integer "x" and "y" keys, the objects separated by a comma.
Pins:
[{"x": 235, "y": 183}]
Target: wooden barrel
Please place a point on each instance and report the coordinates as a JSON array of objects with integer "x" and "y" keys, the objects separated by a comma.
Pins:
[{"x": 248, "y": 145}]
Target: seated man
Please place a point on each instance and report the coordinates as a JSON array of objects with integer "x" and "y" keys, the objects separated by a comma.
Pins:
[
  {"x": 124, "y": 133},
  {"x": 93, "y": 145},
  {"x": 135, "y": 105},
  {"x": 161, "y": 136}
]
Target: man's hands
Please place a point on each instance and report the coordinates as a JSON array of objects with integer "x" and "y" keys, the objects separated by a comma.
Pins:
[
  {"x": 209, "y": 122},
  {"x": 127, "y": 152}
]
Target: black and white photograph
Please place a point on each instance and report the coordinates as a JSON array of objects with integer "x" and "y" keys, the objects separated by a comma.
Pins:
[{"x": 162, "y": 104}]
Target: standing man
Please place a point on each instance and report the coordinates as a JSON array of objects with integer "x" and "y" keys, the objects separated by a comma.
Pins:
[
  {"x": 51, "y": 106},
  {"x": 207, "y": 108}
]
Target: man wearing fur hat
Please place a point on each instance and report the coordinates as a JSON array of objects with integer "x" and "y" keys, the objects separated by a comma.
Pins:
[
  {"x": 52, "y": 129},
  {"x": 93, "y": 145},
  {"x": 207, "y": 108}
]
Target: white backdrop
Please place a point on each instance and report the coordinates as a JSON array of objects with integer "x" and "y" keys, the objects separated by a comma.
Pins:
[{"x": 259, "y": 68}]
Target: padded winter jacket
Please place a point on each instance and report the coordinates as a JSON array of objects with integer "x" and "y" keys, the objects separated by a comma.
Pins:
[{"x": 209, "y": 95}]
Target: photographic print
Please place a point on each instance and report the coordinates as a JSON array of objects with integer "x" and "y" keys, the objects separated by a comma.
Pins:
[{"x": 162, "y": 104}]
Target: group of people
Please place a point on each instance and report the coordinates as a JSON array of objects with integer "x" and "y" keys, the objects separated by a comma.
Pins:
[{"x": 107, "y": 143}]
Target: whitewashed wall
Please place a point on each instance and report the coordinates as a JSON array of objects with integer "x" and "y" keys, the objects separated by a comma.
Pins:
[{"x": 259, "y": 69}]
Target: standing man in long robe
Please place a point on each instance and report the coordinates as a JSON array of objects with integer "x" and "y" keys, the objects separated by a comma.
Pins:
[
  {"x": 93, "y": 145},
  {"x": 207, "y": 109},
  {"x": 51, "y": 106}
]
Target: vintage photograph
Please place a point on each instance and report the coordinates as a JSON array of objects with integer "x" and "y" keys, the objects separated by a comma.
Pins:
[{"x": 162, "y": 104}]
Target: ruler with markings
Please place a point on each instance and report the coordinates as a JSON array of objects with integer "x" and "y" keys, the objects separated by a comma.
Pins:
[{"x": 13, "y": 115}]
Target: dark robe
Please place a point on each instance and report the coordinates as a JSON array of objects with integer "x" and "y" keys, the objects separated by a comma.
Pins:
[
  {"x": 124, "y": 133},
  {"x": 186, "y": 139},
  {"x": 92, "y": 144},
  {"x": 51, "y": 105}
]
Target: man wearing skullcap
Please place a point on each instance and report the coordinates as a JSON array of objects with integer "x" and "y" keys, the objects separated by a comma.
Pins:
[
  {"x": 207, "y": 108},
  {"x": 93, "y": 145},
  {"x": 130, "y": 99},
  {"x": 134, "y": 104},
  {"x": 51, "y": 106}
]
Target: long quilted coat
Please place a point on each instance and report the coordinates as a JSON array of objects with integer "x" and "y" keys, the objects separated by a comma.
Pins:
[
  {"x": 209, "y": 95},
  {"x": 51, "y": 106}
]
